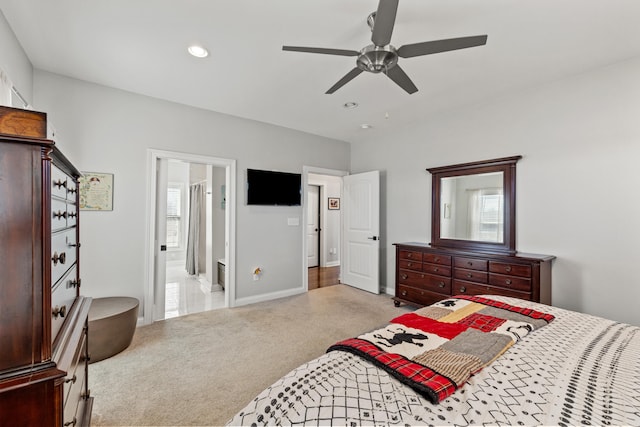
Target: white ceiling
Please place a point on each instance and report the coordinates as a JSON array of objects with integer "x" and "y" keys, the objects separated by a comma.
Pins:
[{"x": 140, "y": 46}]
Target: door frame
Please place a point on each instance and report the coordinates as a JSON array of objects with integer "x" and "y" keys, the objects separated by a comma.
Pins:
[
  {"x": 306, "y": 170},
  {"x": 153, "y": 156},
  {"x": 320, "y": 224}
]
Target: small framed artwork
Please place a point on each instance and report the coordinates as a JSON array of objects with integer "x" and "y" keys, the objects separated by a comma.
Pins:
[
  {"x": 334, "y": 203},
  {"x": 96, "y": 191}
]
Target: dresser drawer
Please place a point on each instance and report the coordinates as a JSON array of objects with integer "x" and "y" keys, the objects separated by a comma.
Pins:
[
  {"x": 510, "y": 269},
  {"x": 441, "y": 270},
  {"x": 471, "y": 275},
  {"x": 63, "y": 253},
  {"x": 425, "y": 281},
  {"x": 471, "y": 263},
  {"x": 58, "y": 214},
  {"x": 72, "y": 189},
  {"x": 410, "y": 265},
  {"x": 63, "y": 294},
  {"x": 59, "y": 182},
  {"x": 461, "y": 287},
  {"x": 72, "y": 214},
  {"x": 437, "y": 259},
  {"x": 419, "y": 296},
  {"x": 411, "y": 255},
  {"x": 74, "y": 384},
  {"x": 510, "y": 282}
]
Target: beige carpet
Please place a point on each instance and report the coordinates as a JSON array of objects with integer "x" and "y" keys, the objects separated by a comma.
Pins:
[{"x": 202, "y": 368}]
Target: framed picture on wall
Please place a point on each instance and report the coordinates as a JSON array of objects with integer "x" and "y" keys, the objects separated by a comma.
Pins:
[
  {"x": 96, "y": 191},
  {"x": 334, "y": 203}
]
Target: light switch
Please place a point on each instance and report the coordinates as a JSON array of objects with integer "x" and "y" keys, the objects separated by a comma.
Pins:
[{"x": 293, "y": 221}]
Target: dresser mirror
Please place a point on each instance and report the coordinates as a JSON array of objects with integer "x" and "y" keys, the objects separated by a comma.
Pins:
[{"x": 473, "y": 206}]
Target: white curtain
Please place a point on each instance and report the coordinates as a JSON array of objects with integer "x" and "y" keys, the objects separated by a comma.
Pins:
[
  {"x": 485, "y": 214},
  {"x": 196, "y": 201},
  {"x": 5, "y": 89}
]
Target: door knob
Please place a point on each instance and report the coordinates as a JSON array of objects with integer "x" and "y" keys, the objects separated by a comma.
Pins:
[{"x": 373, "y": 238}]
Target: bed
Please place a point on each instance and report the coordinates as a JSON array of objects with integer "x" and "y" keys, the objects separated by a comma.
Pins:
[{"x": 568, "y": 368}]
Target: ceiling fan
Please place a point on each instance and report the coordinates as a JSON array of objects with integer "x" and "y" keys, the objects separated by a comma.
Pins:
[{"x": 381, "y": 56}]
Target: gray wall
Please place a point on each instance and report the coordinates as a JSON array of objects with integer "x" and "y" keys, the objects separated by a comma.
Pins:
[
  {"x": 576, "y": 182},
  {"x": 104, "y": 129},
  {"x": 14, "y": 61}
]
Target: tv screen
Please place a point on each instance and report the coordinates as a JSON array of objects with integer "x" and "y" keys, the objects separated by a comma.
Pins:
[{"x": 273, "y": 188}]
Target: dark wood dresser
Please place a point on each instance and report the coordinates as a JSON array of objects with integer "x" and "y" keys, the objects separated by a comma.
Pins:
[
  {"x": 425, "y": 275},
  {"x": 43, "y": 318}
]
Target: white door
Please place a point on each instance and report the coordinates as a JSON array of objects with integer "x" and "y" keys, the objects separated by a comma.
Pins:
[
  {"x": 313, "y": 225},
  {"x": 361, "y": 225},
  {"x": 160, "y": 246}
]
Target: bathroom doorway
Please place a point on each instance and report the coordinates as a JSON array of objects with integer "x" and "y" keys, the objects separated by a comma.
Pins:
[{"x": 187, "y": 246}]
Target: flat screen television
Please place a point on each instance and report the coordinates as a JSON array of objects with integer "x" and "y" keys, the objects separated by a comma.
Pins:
[{"x": 273, "y": 188}]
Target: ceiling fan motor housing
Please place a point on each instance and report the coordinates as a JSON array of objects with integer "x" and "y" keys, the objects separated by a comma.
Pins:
[{"x": 376, "y": 59}]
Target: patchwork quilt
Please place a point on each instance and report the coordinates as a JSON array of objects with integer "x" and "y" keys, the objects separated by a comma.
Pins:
[{"x": 437, "y": 348}]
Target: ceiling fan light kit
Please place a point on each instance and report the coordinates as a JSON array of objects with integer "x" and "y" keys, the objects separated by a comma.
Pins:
[{"x": 381, "y": 56}]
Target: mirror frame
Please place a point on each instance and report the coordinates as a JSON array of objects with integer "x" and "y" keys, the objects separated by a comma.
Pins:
[{"x": 507, "y": 165}]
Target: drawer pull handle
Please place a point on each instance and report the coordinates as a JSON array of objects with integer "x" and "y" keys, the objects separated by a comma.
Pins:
[
  {"x": 508, "y": 281},
  {"x": 422, "y": 276},
  {"x": 436, "y": 259},
  {"x": 72, "y": 190},
  {"x": 404, "y": 293},
  {"x": 85, "y": 396},
  {"x": 409, "y": 255},
  {"x": 62, "y": 258},
  {"x": 469, "y": 275},
  {"x": 59, "y": 311},
  {"x": 72, "y": 379},
  {"x": 71, "y": 423},
  {"x": 72, "y": 214},
  {"x": 59, "y": 215},
  {"x": 73, "y": 283},
  {"x": 469, "y": 263},
  {"x": 404, "y": 277},
  {"x": 463, "y": 289},
  {"x": 441, "y": 284},
  {"x": 73, "y": 245},
  {"x": 60, "y": 183},
  {"x": 435, "y": 269},
  {"x": 507, "y": 268},
  {"x": 409, "y": 264}
]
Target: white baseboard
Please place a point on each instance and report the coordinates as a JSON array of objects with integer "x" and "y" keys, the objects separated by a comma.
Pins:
[
  {"x": 333, "y": 264},
  {"x": 268, "y": 297},
  {"x": 389, "y": 291}
]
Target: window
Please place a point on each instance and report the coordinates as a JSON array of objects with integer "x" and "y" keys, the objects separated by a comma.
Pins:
[
  {"x": 175, "y": 223},
  {"x": 486, "y": 206}
]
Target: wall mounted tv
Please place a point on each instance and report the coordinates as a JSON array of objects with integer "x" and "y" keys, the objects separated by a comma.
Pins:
[{"x": 273, "y": 188}]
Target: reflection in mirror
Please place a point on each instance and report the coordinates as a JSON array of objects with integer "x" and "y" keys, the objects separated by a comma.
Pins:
[{"x": 472, "y": 207}]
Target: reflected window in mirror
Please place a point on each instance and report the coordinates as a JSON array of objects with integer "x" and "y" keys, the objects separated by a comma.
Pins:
[{"x": 473, "y": 206}]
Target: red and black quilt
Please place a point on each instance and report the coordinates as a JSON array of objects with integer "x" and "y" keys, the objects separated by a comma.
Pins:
[{"x": 437, "y": 348}]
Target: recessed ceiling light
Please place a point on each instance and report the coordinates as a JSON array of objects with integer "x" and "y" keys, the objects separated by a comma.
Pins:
[
  {"x": 365, "y": 126},
  {"x": 350, "y": 105},
  {"x": 198, "y": 51}
]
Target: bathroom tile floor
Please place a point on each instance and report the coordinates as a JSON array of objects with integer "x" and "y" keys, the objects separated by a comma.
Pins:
[{"x": 185, "y": 294}]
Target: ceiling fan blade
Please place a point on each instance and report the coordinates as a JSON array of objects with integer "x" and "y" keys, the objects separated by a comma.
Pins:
[
  {"x": 384, "y": 22},
  {"x": 437, "y": 46},
  {"x": 342, "y": 52},
  {"x": 396, "y": 74},
  {"x": 346, "y": 79}
]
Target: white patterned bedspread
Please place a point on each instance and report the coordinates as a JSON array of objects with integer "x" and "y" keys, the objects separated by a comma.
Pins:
[{"x": 578, "y": 370}]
